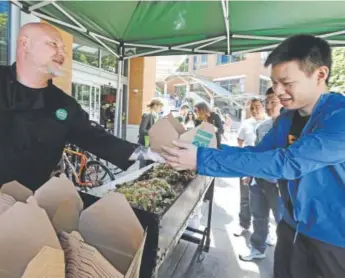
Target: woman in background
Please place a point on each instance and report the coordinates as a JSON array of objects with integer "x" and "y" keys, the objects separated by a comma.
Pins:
[
  {"x": 189, "y": 122},
  {"x": 204, "y": 114},
  {"x": 147, "y": 121}
]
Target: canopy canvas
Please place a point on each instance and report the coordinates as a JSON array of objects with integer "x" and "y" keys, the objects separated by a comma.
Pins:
[
  {"x": 131, "y": 29},
  {"x": 143, "y": 28}
]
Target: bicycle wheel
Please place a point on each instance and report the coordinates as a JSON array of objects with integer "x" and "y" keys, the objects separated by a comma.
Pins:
[{"x": 96, "y": 173}]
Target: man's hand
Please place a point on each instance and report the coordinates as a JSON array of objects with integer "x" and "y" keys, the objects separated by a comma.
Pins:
[
  {"x": 184, "y": 158},
  {"x": 142, "y": 153}
]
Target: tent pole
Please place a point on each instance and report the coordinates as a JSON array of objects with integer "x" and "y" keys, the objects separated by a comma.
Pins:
[
  {"x": 197, "y": 51},
  {"x": 268, "y": 47},
  {"x": 264, "y": 38},
  {"x": 145, "y": 45},
  {"x": 225, "y": 6},
  {"x": 104, "y": 38},
  {"x": 103, "y": 44},
  {"x": 210, "y": 43},
  {"x": 147, "y": 53},
  {"x": 40, "y": 5},
  {"x": 332, "y": 34},
  {"x": 17, "y": 3},
  {"x": 118, "y": 116},
  {"x": 42, "y": 16}
]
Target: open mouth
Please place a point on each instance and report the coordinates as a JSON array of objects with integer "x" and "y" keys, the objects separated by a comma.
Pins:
[
  {"x": 59, "y": 61},
  {"x": 285, "y": 99}
]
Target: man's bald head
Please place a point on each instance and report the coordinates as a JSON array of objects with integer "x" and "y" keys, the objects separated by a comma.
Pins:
[
  {"x": 41, "y": 48},
  {"x": 34, "y": 30}
]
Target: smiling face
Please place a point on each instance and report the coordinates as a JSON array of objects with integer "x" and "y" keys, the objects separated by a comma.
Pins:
[
  {"x": 272, "y": 105},
  {"x": 294, "y": 88},
  {"x": 257, "y": 110},
  {"x": 45, "y": 50}
]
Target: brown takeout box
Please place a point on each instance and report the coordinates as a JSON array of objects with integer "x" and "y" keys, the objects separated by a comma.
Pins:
[
  {"x": 29, "y": 246},
  {"x": 28, "y": 241},
  {"x": 166, "y": 130}
]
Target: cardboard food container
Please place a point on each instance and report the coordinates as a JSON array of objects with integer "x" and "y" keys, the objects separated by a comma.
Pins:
[
  {"x": 58, "y": 197},
  {"x": 109, "y": 225},
  {"x": 166, "y": 130},
  {"x": 29, "y": 246}
]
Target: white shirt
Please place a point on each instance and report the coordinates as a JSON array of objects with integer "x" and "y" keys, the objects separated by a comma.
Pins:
[
  {"x": 247, "y": 131},
  {"x": 189, "y": 125},
  {"x": 262, "y": 129}
]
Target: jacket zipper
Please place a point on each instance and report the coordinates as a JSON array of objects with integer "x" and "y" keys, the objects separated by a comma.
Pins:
[{"x": 296, "y": 233}]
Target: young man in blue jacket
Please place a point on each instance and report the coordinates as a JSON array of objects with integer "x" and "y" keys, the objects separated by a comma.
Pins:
[{"x": 305, "y": 151}]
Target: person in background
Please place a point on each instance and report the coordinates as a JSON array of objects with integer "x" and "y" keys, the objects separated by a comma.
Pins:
[
  {"x": 104, "y": 118},
  {"x": 246, "y": 137},
  {"x": 264, "y": 194},
  {"x": 183, "y": 112},
  {"x": 189, "y": 122},
  {"x": 204, "y": 114},
  {"x": 147, "y": 121},
  {"x": 227, "y": 128}
]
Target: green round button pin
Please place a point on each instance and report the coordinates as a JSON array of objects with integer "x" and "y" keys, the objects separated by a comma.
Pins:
[{"x": 61, "y": 114}]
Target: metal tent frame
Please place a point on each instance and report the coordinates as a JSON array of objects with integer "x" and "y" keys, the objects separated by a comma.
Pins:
[{"x": 158, "y": 49}]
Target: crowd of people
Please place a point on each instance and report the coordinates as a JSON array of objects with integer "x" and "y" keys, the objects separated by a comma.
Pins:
[
  {"x": 292, "y": 158},
  {"x": 303, "y": 152}
]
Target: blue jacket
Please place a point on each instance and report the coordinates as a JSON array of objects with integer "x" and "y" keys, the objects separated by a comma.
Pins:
[{"x": 314, "y": 167}]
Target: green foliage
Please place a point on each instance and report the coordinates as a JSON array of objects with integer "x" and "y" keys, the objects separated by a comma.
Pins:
[{"x": 337, "y": 79}]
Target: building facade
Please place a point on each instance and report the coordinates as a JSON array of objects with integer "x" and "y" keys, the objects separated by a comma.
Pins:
[{"x": 237, "y": 73}]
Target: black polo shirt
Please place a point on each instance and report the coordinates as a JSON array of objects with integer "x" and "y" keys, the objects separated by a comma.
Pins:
[{"x": 35, "y": 125}]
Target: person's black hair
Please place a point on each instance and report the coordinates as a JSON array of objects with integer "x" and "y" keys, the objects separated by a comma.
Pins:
[
  {"x": 190, "y": 112},
  {"x": 269, "y": 91},
  {"x": 311, "y": 52}
]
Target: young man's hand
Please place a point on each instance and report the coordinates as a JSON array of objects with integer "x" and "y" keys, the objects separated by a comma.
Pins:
[{"x": 184, "y": 157}]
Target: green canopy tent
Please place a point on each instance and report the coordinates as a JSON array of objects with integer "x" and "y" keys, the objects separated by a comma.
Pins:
[{"x": 131, "y": 29}]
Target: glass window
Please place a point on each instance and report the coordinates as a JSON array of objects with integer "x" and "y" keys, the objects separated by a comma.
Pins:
[
  {"x": 108, "y": 61},
  {"x": 86, "y": 54},
  {"x": 184, "y": 67},
  {"x": 203, "y": 60},
  {"x": 234, "y": 86},
  {"x": 4, "y": 32},
  {"x": 264, "y": 85},
  {"x": 226, "y": 59},
  {"x": 195, "y": 62},
  {"x": 81, "y": 93},
  {"x": 125, "y": 70}
]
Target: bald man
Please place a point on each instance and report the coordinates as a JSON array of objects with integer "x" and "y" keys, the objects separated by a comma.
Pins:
[{"x": 37, "y": 119}]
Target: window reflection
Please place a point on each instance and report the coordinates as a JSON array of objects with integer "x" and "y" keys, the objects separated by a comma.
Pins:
[
  {"x": 4, "y": 32},
  {"x": 86, "y": 54}
]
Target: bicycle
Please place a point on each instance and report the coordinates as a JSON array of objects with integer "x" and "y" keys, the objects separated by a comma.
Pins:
[
  {"x": 83, "y": 172},
  {"x": 113, "y": 169}
]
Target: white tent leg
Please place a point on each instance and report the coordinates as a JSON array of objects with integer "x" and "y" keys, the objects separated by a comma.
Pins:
[
  {"x": 118, "y": 111},
  {"x": 225, "y": 6}
]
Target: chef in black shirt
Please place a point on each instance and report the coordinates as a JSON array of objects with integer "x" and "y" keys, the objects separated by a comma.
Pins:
[{"x": 37, "y": 119}]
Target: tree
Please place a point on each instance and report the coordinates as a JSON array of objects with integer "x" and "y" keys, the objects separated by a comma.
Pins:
[{"x": 337, "y": 79}]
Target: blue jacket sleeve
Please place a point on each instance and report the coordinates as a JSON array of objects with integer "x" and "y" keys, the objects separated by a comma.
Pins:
[
  {"x": 320, "y": 148},
  {"x": 266, "y": 144}
]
